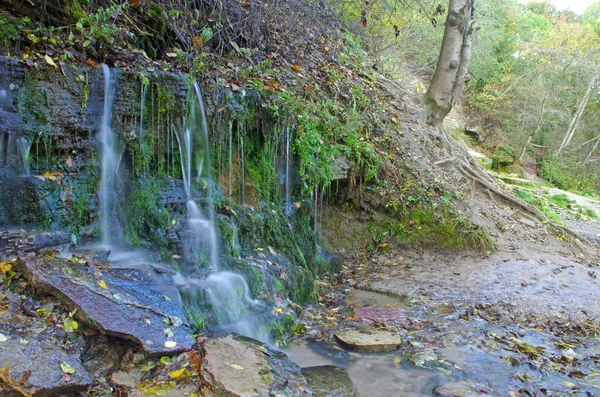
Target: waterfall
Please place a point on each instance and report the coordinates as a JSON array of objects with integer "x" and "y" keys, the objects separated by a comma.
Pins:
[
  {"x": 24, "y": 146},
  {"x": 110, "y": 227},
  {"x": 228, "y": 292},
  {"x": 143, "y": 101}
]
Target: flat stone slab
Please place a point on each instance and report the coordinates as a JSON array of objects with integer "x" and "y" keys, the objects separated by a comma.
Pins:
[
  {"x": 329, "y": 381},
  {"x": 236, "y": 366},
  {"x": 128, "y": 303},
  {"x": 380, "y": 314},
  {"x": 368, "y": 341},
  {"x": 33, "y": 367}
]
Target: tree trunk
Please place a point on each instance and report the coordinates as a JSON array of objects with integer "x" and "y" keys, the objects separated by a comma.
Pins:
[
  {"x": 587, "y": 158},
  {"x": 537, "y": 128},
  {"x": 448, "y": 80},
  {"x": 577, "y": 117}
]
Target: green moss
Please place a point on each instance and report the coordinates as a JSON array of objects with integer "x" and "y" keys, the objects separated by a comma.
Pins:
[
  {"x": 430, "y": 226},
  {"x": 282, "y": 328},
  {"x": 300, "y": 286},
  {"x": 145, "y": 219},
  {"x": 33, "y": 103},
  {"x": 253, "y": 276}
]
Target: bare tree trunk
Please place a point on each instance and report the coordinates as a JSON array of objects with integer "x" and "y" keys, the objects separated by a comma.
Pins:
[
  {"x": 587, "y": 158},
  {"x": 455, "y": 55},
  {"x": 537, "y": 128},
  {"x": 577, "y": 117}
]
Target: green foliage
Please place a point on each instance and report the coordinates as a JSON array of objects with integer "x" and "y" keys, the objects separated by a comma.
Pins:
[
  {"x": 570, "y": 175},
  {"x": 538, "y": 202},
  {"x": 101, "y": 25},
  {"x": 9, "y": 31}
]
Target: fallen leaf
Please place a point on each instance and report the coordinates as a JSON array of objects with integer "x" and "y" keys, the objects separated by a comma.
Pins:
[
  {"x": 236, "y": 366},
  {"x": 70, "y": 325},
  {"x": 176, "y": 374},
  {"x": 49, "y": 61},
  {"x": 512, "y": 394},
  {"x": 168, "y": 332},
  {"x": 69, "y": 161},
  {"x": 296, "y": 68},
  {"x": 5, "y": 267},
  {"x": 102, "y": 284},
  {"x": 3, "y": 338},
  {"x": 67, "y": 369},
  {"x": 271, "y": 250},
  {"x": 278, "y": 309},
  {"x": 170, "y": 344},
  {"x": 569, "y": 384}
]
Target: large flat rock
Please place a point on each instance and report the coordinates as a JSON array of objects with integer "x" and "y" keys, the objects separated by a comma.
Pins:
[
  {"x": 329, "y": 381},
  {"x": 33, "y": 367},
  {"x": 128, "y": 303},
  {"x": 236, "y": 366},
  {"x": 368, "y": 341}
]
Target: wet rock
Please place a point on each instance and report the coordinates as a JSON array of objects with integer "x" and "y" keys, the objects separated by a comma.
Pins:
[
  {"x": 423, "y": 357},
  {"x": 569, "y": 355},
  {"x": 234, "y": 365},
  {"x": 460, "y": 389},
  {"x": 512, "y": 360},
  {"x": 370, "y": 341},
  {"x": 34, "y": 368},
  {"x": 329, "y": 381},
  {"x": 22, "y": 201},
  {"x": 18, "y": 241},
  {"x": 127, "y": 303},
  {"x": 380, "y": 314},
  {"x": 123, "y": 379},
  {"x": 103, "y": 355}
]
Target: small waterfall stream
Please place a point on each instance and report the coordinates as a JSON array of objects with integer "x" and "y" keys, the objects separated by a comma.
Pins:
[
  {"x": 110, "y": 227},
  {"x": 228, "y": 292},
  {"x": 24, "y": 146}
]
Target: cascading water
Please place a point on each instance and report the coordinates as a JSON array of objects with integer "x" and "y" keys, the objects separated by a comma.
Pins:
[
  {"x": 112, "y": 232},
  {"x": 227, "y": 292},
  {"x": 24, "y": 146}
]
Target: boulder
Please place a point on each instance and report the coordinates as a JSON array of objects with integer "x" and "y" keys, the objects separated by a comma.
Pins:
[
  {"x": 39, "y": 368},
  {"x": 329, "y": 381},
  {"x": 237, "y": 366},
  {"x": 128, "y": 303},
  {"x": 368, "y": 341}
]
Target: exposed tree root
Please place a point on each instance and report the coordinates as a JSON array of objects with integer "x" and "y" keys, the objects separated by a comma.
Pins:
[{"x": 473, "y": 171}]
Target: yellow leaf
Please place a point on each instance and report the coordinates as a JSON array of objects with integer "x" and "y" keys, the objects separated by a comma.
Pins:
[
  {"x": 569, "y": 384},
  {"x": 5, "y": 267},
  {"x": 170, "y": 344},
  {"x": 49, "y": 175},
  {"x": 296, "y": 68},
  {"x": 278, "y": 309},
  {"x": 67, "y": 369},
  {"x": 102, "y": 284},
  {"x": 512, "y": 394},
  {"x": 49, "y": 61},
  {"x": 70, "y": 325},
  {"x": 176, "y": 374},
  {"x": 236, "y": 366}
]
